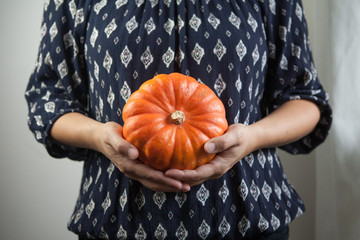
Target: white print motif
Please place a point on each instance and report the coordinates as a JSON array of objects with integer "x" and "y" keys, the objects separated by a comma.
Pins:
[
  {"x": 140, "y": 233},
  {"x": 98, "y": 6},
  {"x": 220, "y": 85},
  {"x": 168, "y": 57},
  {"x": 58, "y": 4},
  {"x": 180, "y": 198},
  {"x": 125, "y": 91},
  {"x": 120, "y": 3},
  {"x": 181, "y": 232},
  {"x": 147, "y": 58},
  {"x": 38, "y": 121},
  {"x": 79, "y": 17},
  {"x": 150, "y": 26},
  {"x": 123, "y": 200},
  {"x": 43, "y": 31},
  {"x": 202, "y": 194},
  {"x": 224, "y": 192},
  {"x": 53, "y": 31},
  {"x": 68, "y": 39},
  {"x": 235, "y": 20},
  {"x": 252, "y": 22},
  {"x": 263, "y": 224},
  {"x": 110, "y": 28},
  {"x": 93, "y": 37},
  {"x": 213, "y": 21},
  {"x": 204, "y": 230},
  {"x": 241, "y": 50},
  {"x": 159, "y": 199},
  {"x": 255, "y": 55},
  {"x": 299, "y": 11},
  {"x": 72, "y": 7},
  {"x": 139, "y": 2},
  {"x": 244, "y": 225},
  {"x": 219, "y": 50},
  {"x": 195, "y": 22},
  {"x": 90, "y": 208},
  {"x": 160, "y": 232},
  {"x": 107, "y": 61},
  {"x": 122, "y": 233},
  {"x": 272, "y": 5},
  {"x": 198, "y": 53},
  {"x": 126, "y": 56},
  {"x": 131, "y": 25},
  {"x": 46, "y": 4},
  {"x": 107, "y": 202},
  {"x": 63, "y": 69},
  {"x": 224, "y": 227},
  {"x": 275, "y": 222},
  {"x": 169, "y": 26},
  {"x": 243, "y": 190}
]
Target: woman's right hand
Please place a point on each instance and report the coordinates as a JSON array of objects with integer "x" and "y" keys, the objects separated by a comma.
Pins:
[
  {"x": 125, "y": 157},
  {"x": 78, "y": 130}
]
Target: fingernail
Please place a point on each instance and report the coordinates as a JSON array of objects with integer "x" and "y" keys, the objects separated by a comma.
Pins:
[
  {"x": 186, "y": 188},
  {"x": 210, "y": 147},
  {"x": 132, "y": 153}
]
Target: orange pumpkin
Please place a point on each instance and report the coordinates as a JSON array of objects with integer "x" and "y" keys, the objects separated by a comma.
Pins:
[{"x": 169, "y": 119}]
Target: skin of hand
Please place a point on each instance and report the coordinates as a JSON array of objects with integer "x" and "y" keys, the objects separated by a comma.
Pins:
[
  {"x": 125, "y": 157},
  {"x": 78, "y": 130},
  {"x": 290, "y": 122},
  {"x": 234, "y": 145}
]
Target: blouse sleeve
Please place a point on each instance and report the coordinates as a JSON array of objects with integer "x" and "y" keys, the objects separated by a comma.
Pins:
[
  {"x": 291, "y": 71},
  {"x": 58, "y": 84}
]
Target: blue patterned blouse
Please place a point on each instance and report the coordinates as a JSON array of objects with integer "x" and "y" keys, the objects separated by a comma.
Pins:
[{"x": 254, "y": 54}]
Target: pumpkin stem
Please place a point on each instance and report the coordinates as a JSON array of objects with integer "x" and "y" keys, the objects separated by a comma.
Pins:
[{"x": 178, "y": 117}]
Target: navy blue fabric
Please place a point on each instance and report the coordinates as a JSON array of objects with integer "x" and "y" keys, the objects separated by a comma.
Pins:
[{"x": 255, "y": 55}]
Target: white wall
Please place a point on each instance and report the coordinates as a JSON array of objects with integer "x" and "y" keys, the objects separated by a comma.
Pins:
[
  {"x": 37, "y": 193},
  {"x": 338, "y": 166}
]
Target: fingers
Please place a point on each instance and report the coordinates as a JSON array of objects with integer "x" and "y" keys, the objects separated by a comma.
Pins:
[
  {"x": 118, "y": 143},
  {"x": 153, "y": 179},
  {"x": 229, "y": 149},
  {"x": 212, "y": 170},
  {"x": 125, "y": 157},
  {"x": 223, "y": 142}
]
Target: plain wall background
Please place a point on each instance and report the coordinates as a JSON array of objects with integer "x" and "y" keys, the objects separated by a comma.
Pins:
[{"x": 37, "y": 192}]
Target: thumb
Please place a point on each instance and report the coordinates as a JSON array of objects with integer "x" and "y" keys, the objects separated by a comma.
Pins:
[
  {"x": 220, "y": 143},
  {"x": 210, "y": 147},
  {"x": 119, "y": 143}
]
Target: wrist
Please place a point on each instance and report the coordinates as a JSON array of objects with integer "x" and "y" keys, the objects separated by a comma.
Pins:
[
  {"x": 94, "y": 135},
  {"x": 103, "y": 136},
  {"x": 255, "y": 139}
]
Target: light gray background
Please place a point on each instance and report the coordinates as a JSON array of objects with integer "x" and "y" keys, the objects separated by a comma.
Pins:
[{"x": 38, "y": 193}]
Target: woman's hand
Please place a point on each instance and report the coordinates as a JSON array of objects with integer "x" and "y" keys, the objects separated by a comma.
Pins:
[
  {"x": 78, "y": 130},
  {"x": 234, "y": 145},
  {"x": 288, "y": 123},
  {"x": 125, "y": 157}
]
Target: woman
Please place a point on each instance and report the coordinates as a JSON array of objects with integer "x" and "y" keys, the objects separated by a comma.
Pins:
[{"x": 256, "y": 57}]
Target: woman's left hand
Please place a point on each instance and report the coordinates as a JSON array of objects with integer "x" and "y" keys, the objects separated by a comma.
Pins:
[
  {"x": 232, "y": 146},
  {"x": 288, "y": 123}
]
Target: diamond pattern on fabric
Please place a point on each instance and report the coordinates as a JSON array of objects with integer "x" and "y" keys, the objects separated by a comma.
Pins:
[{"x": 255, "y": 55}]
